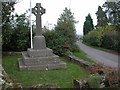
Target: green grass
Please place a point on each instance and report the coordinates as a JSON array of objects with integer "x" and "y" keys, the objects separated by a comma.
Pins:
[
  {"x": 62, "y": 78},
  {"x": 82, "y": 55}
]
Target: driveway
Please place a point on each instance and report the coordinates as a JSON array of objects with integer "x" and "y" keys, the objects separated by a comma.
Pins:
[{"x": 99, "y": 56}]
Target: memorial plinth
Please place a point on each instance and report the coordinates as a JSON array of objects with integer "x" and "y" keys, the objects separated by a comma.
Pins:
[{"x": 40, "y": 57}]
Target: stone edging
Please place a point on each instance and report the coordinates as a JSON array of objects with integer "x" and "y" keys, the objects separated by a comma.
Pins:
[
  {"x": 78, "y": 61},
  {"x": 11, "y": 53}
]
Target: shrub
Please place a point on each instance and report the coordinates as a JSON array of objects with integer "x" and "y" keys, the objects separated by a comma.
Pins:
[
  {"x": 17, "y": 36},
  {"x": 111, "y": 41},
  {"x": 55, "y": 41},
  {"x": 106, "y": 37},
  {"x": 94, "y": 38},
  {"x": 59, "y": 43}
]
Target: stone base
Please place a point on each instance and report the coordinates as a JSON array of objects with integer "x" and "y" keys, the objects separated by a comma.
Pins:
[
  {"x": 42, "y": 59},
  {"x": 39, "y": 53},
  {"x": 41, "y": 67}
]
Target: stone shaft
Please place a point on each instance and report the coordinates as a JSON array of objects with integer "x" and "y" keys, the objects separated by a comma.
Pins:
[{"x": 39, "y": 43}]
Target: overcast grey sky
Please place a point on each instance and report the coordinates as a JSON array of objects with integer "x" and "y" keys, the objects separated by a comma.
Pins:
[{"x": 54, "y": 8}]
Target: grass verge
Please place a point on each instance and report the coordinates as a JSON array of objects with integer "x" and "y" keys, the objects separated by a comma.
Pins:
[
  {"x": 82, "y": 55},
  {"x": 62, "y": 78},
  {"x": 102, "y": 49}
]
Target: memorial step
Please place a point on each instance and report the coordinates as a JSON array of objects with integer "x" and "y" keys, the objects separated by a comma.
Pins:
[
  {"x": 52, "y": 66},
  {"x": 40, "y": 53}
]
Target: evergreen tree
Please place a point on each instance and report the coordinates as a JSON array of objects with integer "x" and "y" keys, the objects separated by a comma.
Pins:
[
  {"x": 88, "y": 25},
  {"x": 66, "y": 26},
  {"x": 101, "y": 17},
  {"x": 62, "y": 40}
]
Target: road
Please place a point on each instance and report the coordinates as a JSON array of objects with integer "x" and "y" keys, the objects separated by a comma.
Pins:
[{"x": 99, "y": 56}]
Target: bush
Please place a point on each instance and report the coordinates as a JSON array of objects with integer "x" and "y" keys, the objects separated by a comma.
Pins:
[
  {"x": 16, "y": 37},
  {"x": 93, "y": 38},
  {"x": 106, "y": 37},
  {"x": 55, "y": 42},
  {"x": 19, "y": 40},
  {"x": 59, "y": 43},
  {"x": 111, "y": 41}
]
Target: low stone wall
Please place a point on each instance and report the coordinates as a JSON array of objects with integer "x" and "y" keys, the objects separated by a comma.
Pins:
[
  {"x": 78, "y": 61},
  {"x": 93, "y": 81},
  {"x": 96, "y": 82},
  {"x": 11, "y": 53}
]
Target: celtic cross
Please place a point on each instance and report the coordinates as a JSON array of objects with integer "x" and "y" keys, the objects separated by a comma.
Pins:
[{"x": 38, "y": 11}]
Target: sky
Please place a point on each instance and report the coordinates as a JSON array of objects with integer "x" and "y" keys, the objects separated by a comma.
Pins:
[{"x": 54, "y": 8}]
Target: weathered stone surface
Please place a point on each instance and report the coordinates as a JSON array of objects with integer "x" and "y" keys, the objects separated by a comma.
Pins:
[
  {"x": 39, "y": 43},
  {"x": 11, "y": 53},
  {"x": 43, "y": 66},
  {"x": 48, "y": 62},
  {"x": 98, "y": 82},
  {"x": 40, "y": 63},
  {"x": 81, "y": 84},
  {"x": 21, "y": 64},
  {"x": 40, "y": 60},
  {"x": 37, "y": 67},
  {"x": 38, "y": 11},
  {"x": 61, "y": 65},
  {"x": 78, "y": 61},
  {"x": 46, "y": 86},
  {"x": 40, "y": 53}
]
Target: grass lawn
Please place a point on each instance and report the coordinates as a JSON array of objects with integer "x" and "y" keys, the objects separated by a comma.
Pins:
[
  {"x": 82, "y": 55},
  {"x": 62, "y": 78}
]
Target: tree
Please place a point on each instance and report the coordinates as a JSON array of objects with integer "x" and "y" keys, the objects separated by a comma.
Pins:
[
  {"x": 66, "y": 26},
  {"x": 7, "y": 9},
  {"x": 113, "y": 12},
  {"x": 19, "y": 37},
  {"x": 62, "y": 39},
  {"x": 101, "y": 17},
  {"x": 15, "y": 29},
  {"x": 88, "y": 25},
  {"x": 108, "y": 27}
]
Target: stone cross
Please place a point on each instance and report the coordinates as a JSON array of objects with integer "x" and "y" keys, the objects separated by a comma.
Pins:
[{"x": 38, "y": 11}]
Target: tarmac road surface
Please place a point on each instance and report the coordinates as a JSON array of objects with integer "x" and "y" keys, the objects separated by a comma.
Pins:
[{"x": 99, "y": 56}]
